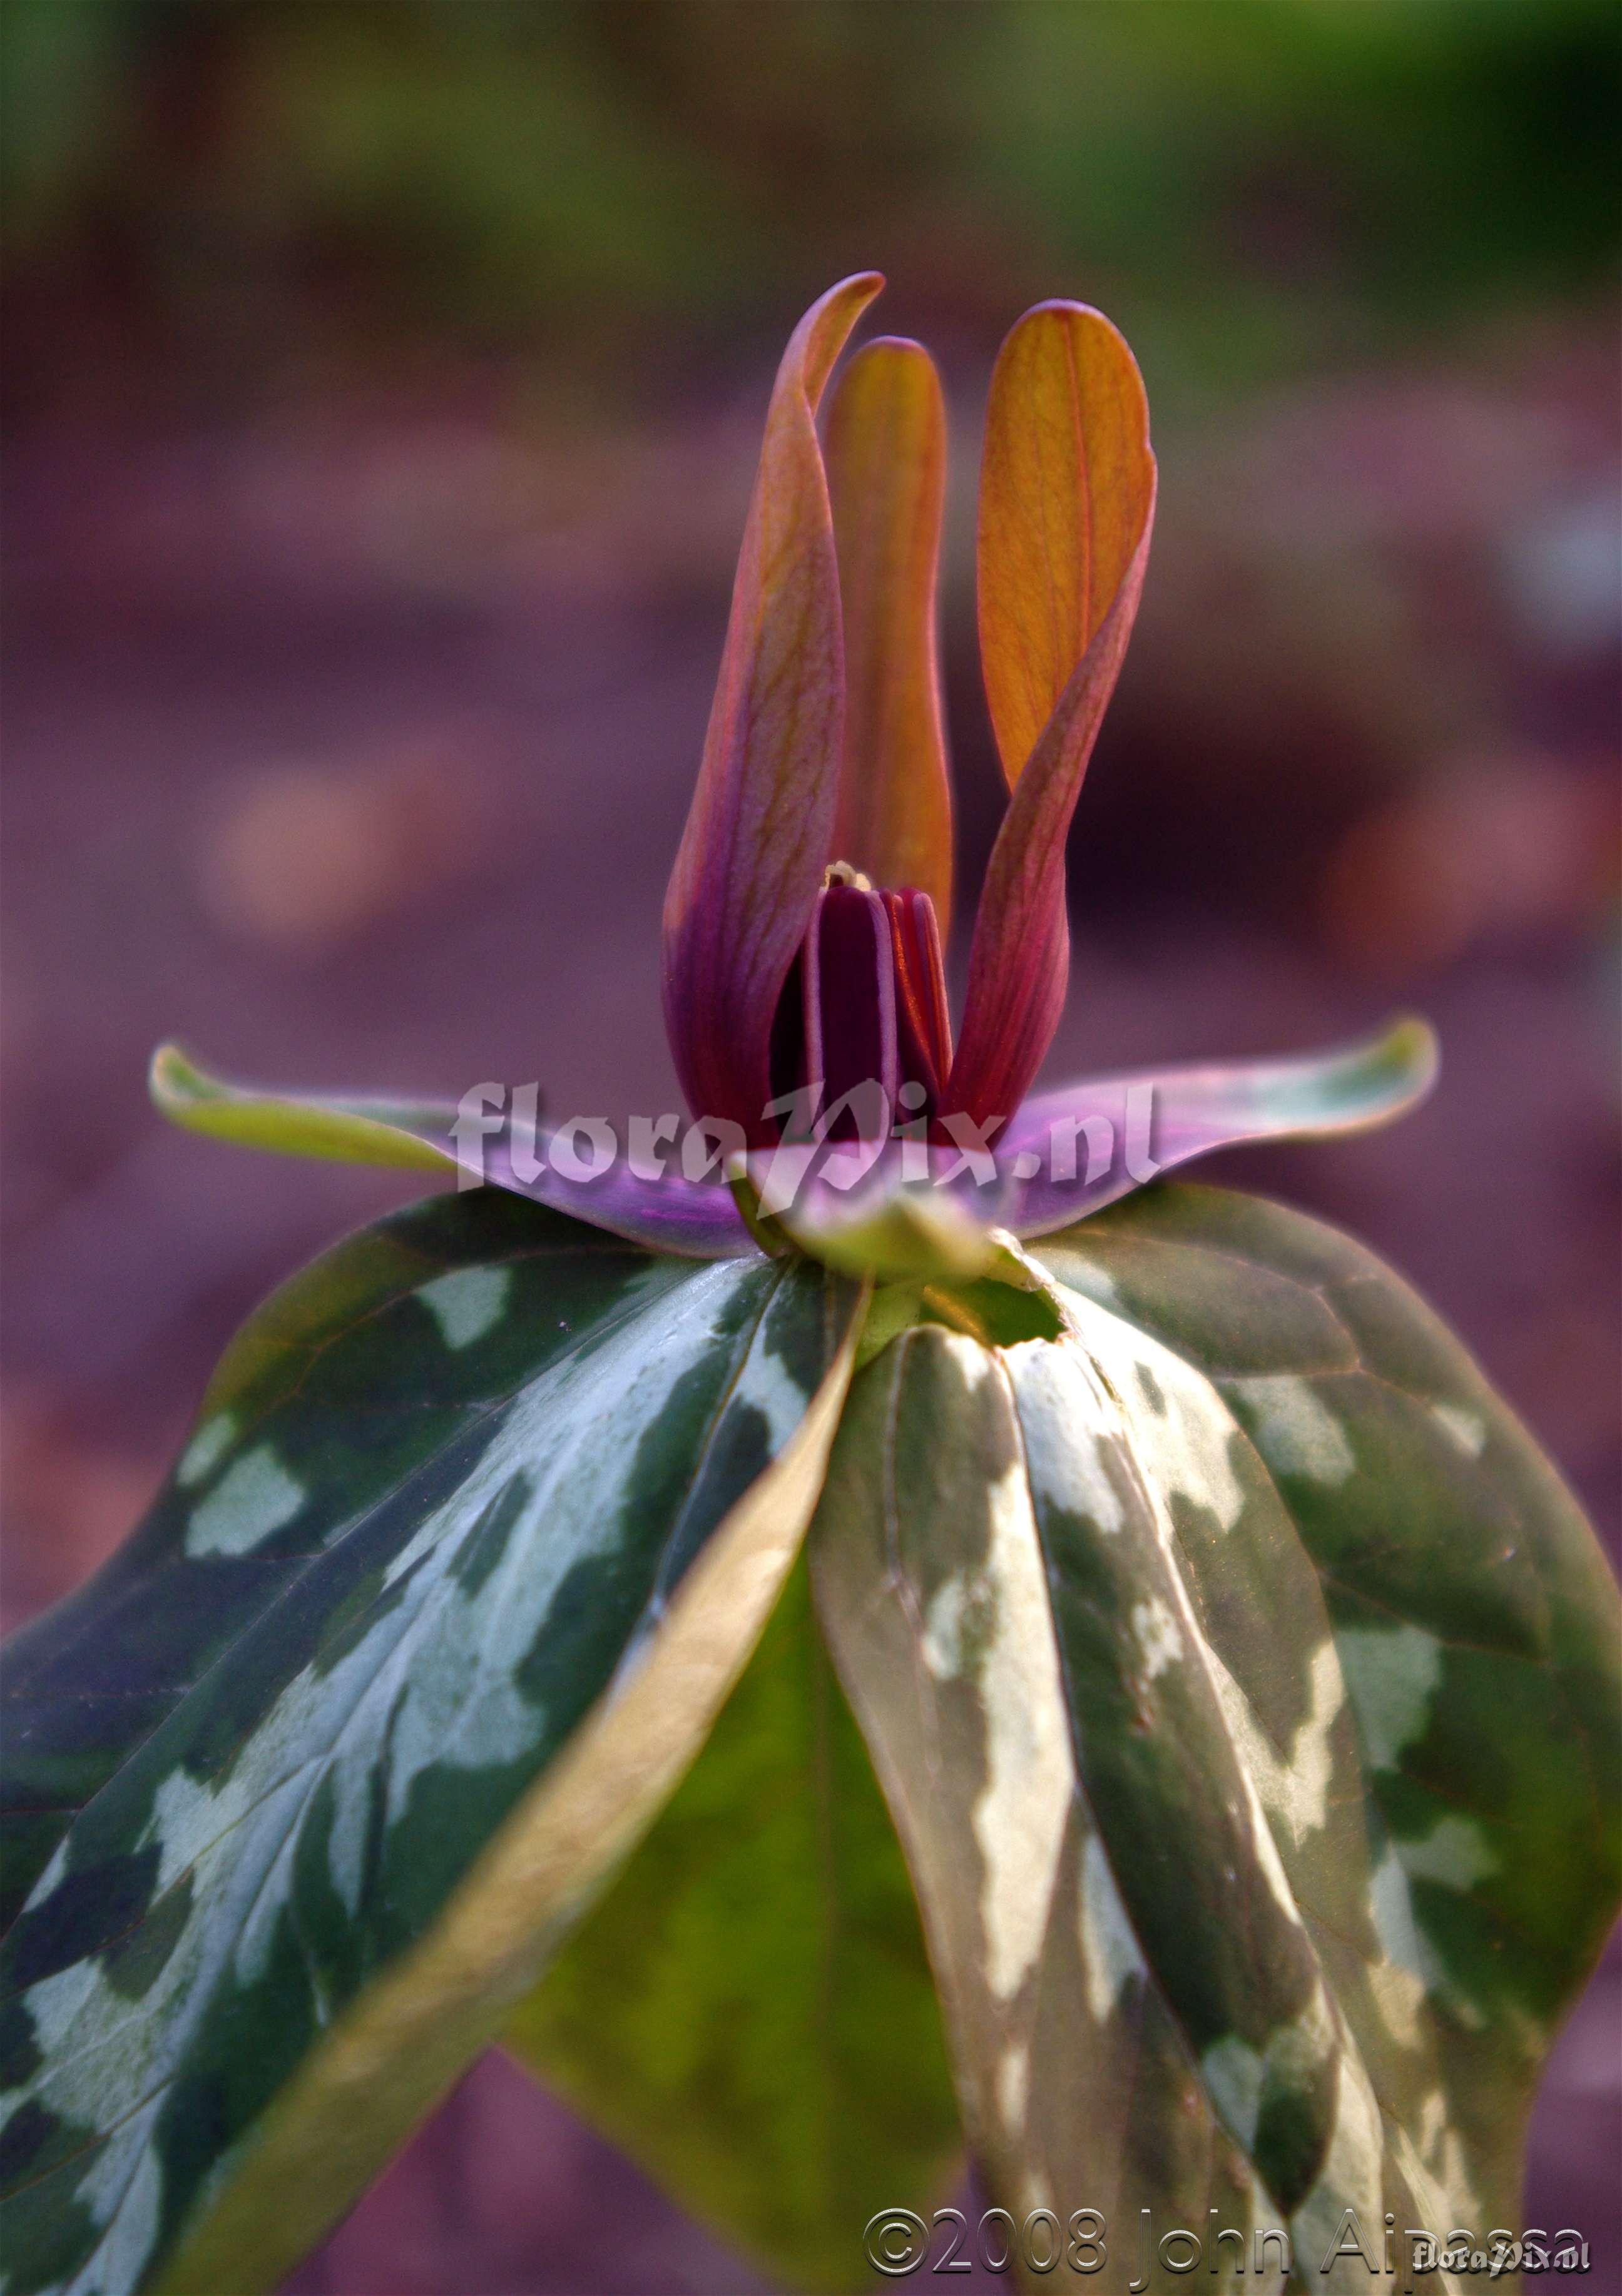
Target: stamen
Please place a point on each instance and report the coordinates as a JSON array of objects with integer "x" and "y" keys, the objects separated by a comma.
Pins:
[
  {"x": 863, "y": 1011},
  {"x": 923, "y": 1019},
  {"x": 850, "y": 1002}
]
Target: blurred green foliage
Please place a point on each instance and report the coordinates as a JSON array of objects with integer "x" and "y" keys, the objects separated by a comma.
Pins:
[{"x": 1255, "y": 186}]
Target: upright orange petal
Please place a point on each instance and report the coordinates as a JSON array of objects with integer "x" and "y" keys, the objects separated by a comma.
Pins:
[
  {"x": 1067, "y": 500},
  {"x": 1066, "y": 485},
  {"x": 761, "y": 820},
  {"x": 886, "y": 464}
]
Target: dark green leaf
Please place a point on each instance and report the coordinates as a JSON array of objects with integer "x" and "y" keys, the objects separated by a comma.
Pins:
[
  {"x": 1244, "y": 1686},
  {"x": 749, "y": 2010},
  {"x": 481, "y": 1517}
]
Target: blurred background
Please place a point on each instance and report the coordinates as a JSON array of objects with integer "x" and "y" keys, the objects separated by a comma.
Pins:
[{"x": 382, "y": 383}]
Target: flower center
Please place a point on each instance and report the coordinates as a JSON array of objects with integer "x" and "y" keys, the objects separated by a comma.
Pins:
[{"x": 863, "y": 1011}]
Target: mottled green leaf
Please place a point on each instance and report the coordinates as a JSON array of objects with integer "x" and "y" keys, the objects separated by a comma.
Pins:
[
  {"x": 1252, "y": 1731},
  {"x": 749, "y": 2010},
  {"x": 480, "y": 1520}
]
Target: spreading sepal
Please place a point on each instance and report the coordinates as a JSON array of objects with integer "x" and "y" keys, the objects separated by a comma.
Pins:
[
  {"x": 1087, "y": 1145},
  {"x": 671, "y": 1213}
]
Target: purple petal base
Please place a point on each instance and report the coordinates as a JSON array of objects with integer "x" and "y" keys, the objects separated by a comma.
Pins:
[{"x": 696, "y": 1219}]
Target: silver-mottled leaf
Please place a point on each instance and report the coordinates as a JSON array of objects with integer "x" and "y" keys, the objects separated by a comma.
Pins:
[
  {"x": 481, "y": 1518},
  {"x": 1157, "y": 1755}
]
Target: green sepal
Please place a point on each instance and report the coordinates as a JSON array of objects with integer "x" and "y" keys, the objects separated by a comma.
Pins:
[{"x": 413, "y": 1135}]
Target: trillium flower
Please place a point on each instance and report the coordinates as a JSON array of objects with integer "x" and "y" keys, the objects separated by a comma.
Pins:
[
  {"x": 811, "y": 901},
  {"x": 1224, "y": 1719}
]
